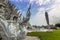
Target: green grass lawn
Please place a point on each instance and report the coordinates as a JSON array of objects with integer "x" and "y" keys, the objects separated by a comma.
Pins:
[{"x": 55, "y": 35}]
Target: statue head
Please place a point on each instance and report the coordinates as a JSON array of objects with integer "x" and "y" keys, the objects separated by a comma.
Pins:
[
  {"x": 4, "y": 2},
  {"x": 2, "y": 8}
]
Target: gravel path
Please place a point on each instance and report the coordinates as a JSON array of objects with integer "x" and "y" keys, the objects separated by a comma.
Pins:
[{"x": 31, "y": 38}]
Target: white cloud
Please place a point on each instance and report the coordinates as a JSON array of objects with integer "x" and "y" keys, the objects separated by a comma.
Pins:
[
  {"x": 40, "y": 2},
  {"x": 57, "y": 1},
  {"x": 38, "y": 19},
  {"x": 54, "y": 14},
  {"x": 54, "y": 11}
]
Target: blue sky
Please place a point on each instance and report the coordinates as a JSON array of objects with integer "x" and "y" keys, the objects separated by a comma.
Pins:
[
  {"x": 23, "y": 6},
  {"x": 38, "y": 7}
]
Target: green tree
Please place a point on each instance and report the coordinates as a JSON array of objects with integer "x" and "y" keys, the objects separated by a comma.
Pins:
[{"x": 57, "y": 25}]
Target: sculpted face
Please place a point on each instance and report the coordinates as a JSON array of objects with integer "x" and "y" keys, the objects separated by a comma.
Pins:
[
  {"x": 2, "y": 9},
  {"x": 2, "y": 5}
]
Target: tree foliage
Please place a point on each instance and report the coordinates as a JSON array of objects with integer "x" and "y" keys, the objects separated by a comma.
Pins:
[{"x": 57, "y": 25}]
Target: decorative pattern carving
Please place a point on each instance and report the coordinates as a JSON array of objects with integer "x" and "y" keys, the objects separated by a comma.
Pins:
[{"x": 12, "y": 22}]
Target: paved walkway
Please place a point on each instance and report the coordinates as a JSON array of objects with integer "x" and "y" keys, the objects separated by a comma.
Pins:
[{"x": 31, "y": 38}]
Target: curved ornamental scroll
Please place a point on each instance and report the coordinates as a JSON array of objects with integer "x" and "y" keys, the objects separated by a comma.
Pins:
[
  {"x": 4, "y": 25},
  {"x": 10, "y": 29}
]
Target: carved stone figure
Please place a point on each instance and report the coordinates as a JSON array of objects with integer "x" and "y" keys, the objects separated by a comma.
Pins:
[{"x": 12, "y": 24}]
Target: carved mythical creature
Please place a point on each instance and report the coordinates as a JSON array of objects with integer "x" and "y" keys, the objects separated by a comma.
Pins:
[{"x": 12, "y": 30}]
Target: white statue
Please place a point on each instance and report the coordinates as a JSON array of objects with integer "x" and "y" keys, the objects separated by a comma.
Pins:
[{"x": 14, "y": 30}]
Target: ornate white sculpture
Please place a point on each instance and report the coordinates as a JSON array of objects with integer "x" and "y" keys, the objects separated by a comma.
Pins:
[{"x": 13, "y": 29}]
